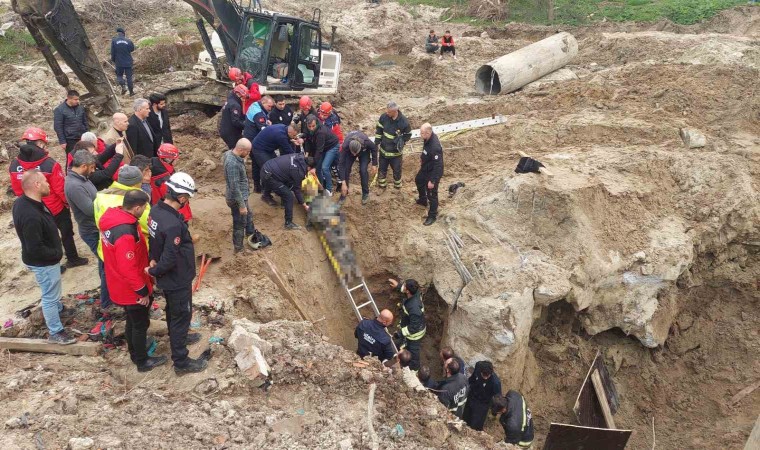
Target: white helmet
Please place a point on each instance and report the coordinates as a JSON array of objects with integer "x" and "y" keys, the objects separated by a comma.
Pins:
[{"x": 181, "y": 183}]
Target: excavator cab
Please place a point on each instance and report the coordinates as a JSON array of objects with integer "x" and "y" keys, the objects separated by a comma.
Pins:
[{"x": 281, "y": 52}]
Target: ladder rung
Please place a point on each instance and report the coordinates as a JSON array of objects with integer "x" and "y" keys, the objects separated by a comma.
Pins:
[
  {"x": 356, "y": 287},
  {"x": 364, "y": 304}
]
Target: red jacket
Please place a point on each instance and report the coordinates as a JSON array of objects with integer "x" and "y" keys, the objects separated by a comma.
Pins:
[
  {"x": 125, "y": 256},
  {"x": 253, "y": 91},
  {"x": 33, "y": 157},
  {"x": 161, "y": 172},
  {"x": 447, "y": 42}
]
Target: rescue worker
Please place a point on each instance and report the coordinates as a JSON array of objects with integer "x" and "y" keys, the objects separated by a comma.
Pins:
[
  {"x": 161, "y": 168},
  {"x": 239, "y": 78},
  {"x": 232, "y": 123},
  {"x": 70, "y": 121},
  {"x": 121, "y": 57},
  {"x": 256, "y": 119},
  {"x": 34, "y": 155},
  {"x": 431, "y": 171},
  {"x": 270, "y": 140},
  {"x": 305, "y": 109},
  {"x": 125, "y": 253},
  {"x": 158, "y": 118},
  {"x": 484, "y": 385},
  {"x": 357, "y": 145},
  {"x": 373, "y": 338},
  {"x": 412, "y": 323},
  {"x": 172, "y": 264},
  {"x": 281, "y": 113},
  {"x": 516, "y": 418},
  {"x": 236, "y": 195},
  {"x": 391, "y": 134},
  {"x": 283, "y": 176},
  {"x": 321, "y": 144},
  {"x": 447, "y": 353},
  {"x": 329, "y": 118},
  {"x": 424, "y": 376},
  {"x": 453, "y": 389}
]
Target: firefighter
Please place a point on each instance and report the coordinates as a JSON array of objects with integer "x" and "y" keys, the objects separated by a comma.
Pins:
[
  {"x": 412, "y": 322},
  {"x": 172, "y": 264},
  {"x": 283, "y": 176},
  {"x": 241, "y": 78},
  {"x": 232, "y": 122},
  {"x": 305, "y": 109},
  {"x": 391, "y": 134},
  {"x": 356, "y": 146},
  {"x": 161, "y": 168},
  {"x": 271, "y": 139},
  {"x": 453, "y": 389},
  {"x": 484, "y": 384},
  {"x": 516, "y": 418},
  {"x": 431, "y": 171},
  {"x": 329, "y": 118},
  {"x": 373, "y": 338}
]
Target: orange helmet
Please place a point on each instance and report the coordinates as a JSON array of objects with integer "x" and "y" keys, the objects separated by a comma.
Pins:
[
  {"x": 35, "y": 134},
  {"x": 235, "y": 74},
  {"x": 241, "y": 91},
  {"x": 325, "y": 109},
  {"x": 168, "y": 151},
  {"x": 305, "y": 102}
]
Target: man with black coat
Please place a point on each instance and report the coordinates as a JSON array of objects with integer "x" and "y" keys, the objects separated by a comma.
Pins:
[
  {"x": 271, "y": 139},
  {"x": 281, "y": 113},
  {"x": 323, "y": 145},
  {"x": 172, "y": 264},
  {"x": 484, "y": 384},
  {"x": 356, "y": 145},
  {"x": 453, "y": 389},
  {"x": 431, "y": 171},
  {"x": 283, "y": 176},
  {"x": 373, "y": 339},
  {"x": 232, "y": 122},
  {"x": 158, "y": 118},
  {"x": 139, "y": 133},
  {"x": 412, "y": 323},
  {"x": 102, "y": 176},
  {"x": 121, "y": 57},
  {"x": 70, "y": 121},
  {"x": 516, "y": 418}
]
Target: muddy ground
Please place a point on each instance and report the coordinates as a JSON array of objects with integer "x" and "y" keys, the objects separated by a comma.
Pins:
[{"x": 611, "y": 137}]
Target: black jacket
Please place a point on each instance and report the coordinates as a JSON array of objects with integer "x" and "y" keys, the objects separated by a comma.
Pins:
[
  {"x": 171, "y": 247},
  {"x": 40, "y": 243},
  {"x": 319, "y": 141},
  {"x": 517, "y": 421},
  {"x": 454, "y": 393},
  {"x": 163, "y": 132},
  {"x": 121, "y": 51},
  {"x": 482, "y": 391},
  {"x": 412, "y": 321},
  {"x": 300, "y": 119},
  {"x": 102, "y": 178},
  {"x": 289, "y": 170},
  {"x": 284, "y": 117},
  {"x": 271, "y": 139},
  {"x": 233, "y": 119},
  {"x": 373, "y": 339},
  {"x": 69, "y": 123},
  {"x": 345, "y": 154},
  {"x": 392, "y": 135},
  {"x": 141, "y": 142},
  {"x": 431, "y": 159}
]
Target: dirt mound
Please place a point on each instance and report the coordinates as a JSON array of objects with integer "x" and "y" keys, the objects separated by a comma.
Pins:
[{"x": 161, "y": 58}]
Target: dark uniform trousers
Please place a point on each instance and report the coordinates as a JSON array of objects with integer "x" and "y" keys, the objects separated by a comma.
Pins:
[
  {"x": 135, "y": 332},
  {"x": 395, "y": 163},
  {"x": 179, "y": 312},
  {"x": 428, "y": 196}
]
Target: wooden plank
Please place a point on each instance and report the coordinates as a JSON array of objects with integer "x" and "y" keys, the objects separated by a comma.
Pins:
[
  {"x": 43, "y": 346},
  {"x": 573, "y": 437},
  {"x": 744, "y": 392},
  {"x": 596, "y": 380},
  {"x": 753, "y": 443},
  {"x": 587, "y": 409},
  {"x": 609, "y": 387},
  {"x": 285, "y": 291}
]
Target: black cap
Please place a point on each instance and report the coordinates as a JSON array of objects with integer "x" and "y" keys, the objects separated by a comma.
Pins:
[{"x": 120, "y": 30}]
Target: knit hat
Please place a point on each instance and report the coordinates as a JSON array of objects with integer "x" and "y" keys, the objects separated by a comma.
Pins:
[
  {"x": 120, "y": 30},
  {"x": 130, "y": 176}
]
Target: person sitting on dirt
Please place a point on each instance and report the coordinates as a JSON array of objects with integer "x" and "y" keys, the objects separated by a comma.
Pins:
[
  {"x": 447, "y": 45},
  {"x": 121, "y": 57},
  {"x": 484, "y": 384},
  {"x": 70, "y": 121},
  {"x": 412, "y": 324},
  {"x": 373, "y": 338},
  {"x": 281, "y": 113},
  {"x": 453, "y": 389},
  {"x": 158, "y": 118},
  {"x": 426, "y": 379},
  {"x": 431, "y": 44},
  {"x": 305, "y": 109},
  {"x": 357, "y": 146},
  {"x": 323, "y": 145},
  {"x": 232, "y": 122},
  {"x": 274, "y": 138},
  {"x": 256, "y": 119},
  {"x": 283, "y": 176},
  {"x": 125, "y": 255},
  {"x": 447, "y": 353},
  {"x": 41, "y": 250},
  {"x": 106, "y": 163},
  {"x": 172, "y": 264},
  {"x": 516, "y": 418},
  {"x": 241, "y": 78},
  {"x": 161, "y": 168},
  {"x": 145, "y": 165}
]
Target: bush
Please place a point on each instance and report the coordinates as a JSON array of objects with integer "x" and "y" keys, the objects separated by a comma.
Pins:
[{"x": 16, "y": 45}]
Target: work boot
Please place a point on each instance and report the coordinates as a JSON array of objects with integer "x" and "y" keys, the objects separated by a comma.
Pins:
[
  {"x": 429, "y": 221},
  {"x": 193, "y": 338},
  {"x": 365, "y": 199},
  {"x": 123, "y": 89},
  {"x": 131, "y": 93},
  {"x": 421, "y": 202},
  {"x": 257, "y": 189},
  {"x": 191, "y": 366},
  {"x": 151, "y": 363},
  {"x": 292, "y": 226},
  {"x": 61, "y": 338},
  {"x": 76, "y": 262},
  {"x": 269, "y": 200}
]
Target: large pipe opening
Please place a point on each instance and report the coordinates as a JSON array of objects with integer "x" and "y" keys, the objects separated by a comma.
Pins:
[{"x": 487, "y": 80}]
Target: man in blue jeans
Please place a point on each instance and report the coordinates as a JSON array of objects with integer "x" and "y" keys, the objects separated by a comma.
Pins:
[
  {"x": 80, "y": 193},
  {"x": 322, "y": 145},
  {"x": 42, "y": 250}
]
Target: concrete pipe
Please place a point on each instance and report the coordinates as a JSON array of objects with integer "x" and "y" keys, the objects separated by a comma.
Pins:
[{"x": 514, "y": 70}]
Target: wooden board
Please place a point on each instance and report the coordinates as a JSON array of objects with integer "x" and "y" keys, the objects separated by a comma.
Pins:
[
  {"x": 43, "y": 346},
  {"x": 573, "y": 437},
  {"x": 588, "y": 409},
  {"x": 596, "y": 380}
]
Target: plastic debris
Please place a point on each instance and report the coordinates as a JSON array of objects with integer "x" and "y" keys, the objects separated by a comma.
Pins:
[
  {"x": 215, "y": 340},
  {"x": 8, "y": 323}
]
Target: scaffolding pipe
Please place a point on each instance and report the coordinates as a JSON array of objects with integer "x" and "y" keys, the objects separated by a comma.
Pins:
[{"x": 514, "y": 70}]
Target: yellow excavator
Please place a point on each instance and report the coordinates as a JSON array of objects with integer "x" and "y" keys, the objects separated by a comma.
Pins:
[{"x": 284, "y": 54}]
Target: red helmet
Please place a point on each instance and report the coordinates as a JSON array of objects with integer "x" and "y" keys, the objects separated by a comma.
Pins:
[
  {"x": 168, "y": 151},
  {"x": 235, "y": 74},
  {"x": 325, "y": 109},
  {"x": 35, "y": 134},
  {"x": 241, "y": 91},
  {"x": 305, "y": 102}
]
